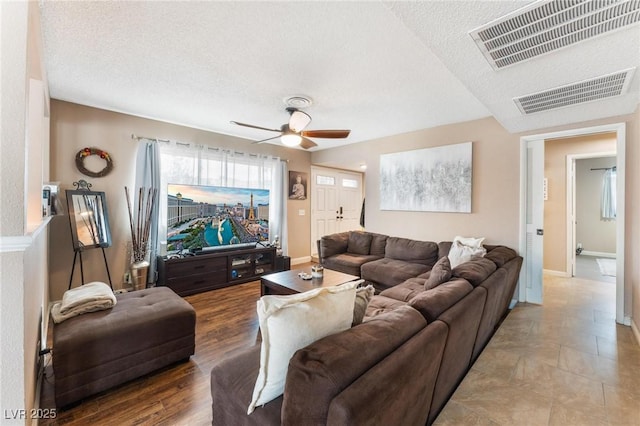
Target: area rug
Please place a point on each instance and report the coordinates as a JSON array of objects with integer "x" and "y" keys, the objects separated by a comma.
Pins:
[{"x": 607, "y": 266}]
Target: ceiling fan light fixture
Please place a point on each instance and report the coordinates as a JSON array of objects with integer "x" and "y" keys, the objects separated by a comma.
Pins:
[{"x": 290, "y": 139}]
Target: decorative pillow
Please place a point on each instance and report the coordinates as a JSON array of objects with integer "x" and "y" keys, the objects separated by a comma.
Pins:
[
  {"x": 359, "y": 243},
  {"x": 440, "y": 273},
  {"x": 464, "y": 249},
  {"x": 288, "y": 323},
  {"x": 363, "y": 297}
]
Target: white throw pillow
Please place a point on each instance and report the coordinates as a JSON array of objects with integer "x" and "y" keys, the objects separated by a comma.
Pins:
[
  {"x": 289, "y": 323},
  {"x": 463, "y": 249}
]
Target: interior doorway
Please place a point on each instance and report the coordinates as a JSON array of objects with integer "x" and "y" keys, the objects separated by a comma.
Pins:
[
  {"x": 591, "y": 225},
  {"x": 532, "y": 223},
  {"x": 336, "y": 202}
]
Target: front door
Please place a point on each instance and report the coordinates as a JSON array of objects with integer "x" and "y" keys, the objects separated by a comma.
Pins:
[{"x": 336, "y": 202}]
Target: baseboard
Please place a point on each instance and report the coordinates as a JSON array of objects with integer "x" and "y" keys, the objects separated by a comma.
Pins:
[
  {"x": 299, "y": 260},
  {"x": 597, "y": 254},
  {"x": 555, "y": 273},
  {"x": 636, "y": 331}
]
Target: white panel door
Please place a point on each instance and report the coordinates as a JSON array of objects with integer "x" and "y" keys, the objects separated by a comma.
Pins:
[
  {"x": 336, "y": 201},
  {"x": 534, "y": 222}
]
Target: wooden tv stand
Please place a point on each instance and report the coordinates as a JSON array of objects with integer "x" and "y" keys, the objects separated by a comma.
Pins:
[{"x": 203, "y": 272}]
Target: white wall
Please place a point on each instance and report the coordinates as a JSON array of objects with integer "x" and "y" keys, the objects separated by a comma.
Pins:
[{"x": 23, "y": 242}]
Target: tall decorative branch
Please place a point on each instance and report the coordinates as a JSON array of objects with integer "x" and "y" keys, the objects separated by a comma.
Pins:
[{"x": 141, "y": 226}]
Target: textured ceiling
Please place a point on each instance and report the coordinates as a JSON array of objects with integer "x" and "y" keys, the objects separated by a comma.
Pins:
[{"x": 377, "y": 68}]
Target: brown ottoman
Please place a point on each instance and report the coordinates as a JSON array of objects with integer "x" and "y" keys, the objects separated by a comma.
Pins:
[{"x": 144, "y": 331}]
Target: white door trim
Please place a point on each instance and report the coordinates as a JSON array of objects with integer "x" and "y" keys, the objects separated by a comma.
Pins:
[{"x": 620, "y": 130}]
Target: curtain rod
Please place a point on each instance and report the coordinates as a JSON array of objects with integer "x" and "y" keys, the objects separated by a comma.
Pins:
[
  {"x": 136, "y": 137},
  {"x": 605, "y": 168}
]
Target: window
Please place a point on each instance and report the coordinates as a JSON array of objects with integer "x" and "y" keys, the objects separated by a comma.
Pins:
[
  {"x": 349, "y": 183},
  {"x": 325, "y": 180}
]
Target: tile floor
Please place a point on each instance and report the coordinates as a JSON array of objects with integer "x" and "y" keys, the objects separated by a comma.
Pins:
[
  {"x": 564, "y": 363},
  {"x": 587, "y": 268}
]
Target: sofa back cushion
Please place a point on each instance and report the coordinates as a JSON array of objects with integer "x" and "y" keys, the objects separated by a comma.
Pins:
[
  {"x": 333, "y": 244},
  {"x": 500, "y": 255},
  {"x": 359, "y": 243},
  {"x": 423, "y": 252},
  {"x": 323, "y": 369},
  {"x": 378, "y": 244},
  {"x": 475, "y": 271},
  {"x": 431, "y": 303}
]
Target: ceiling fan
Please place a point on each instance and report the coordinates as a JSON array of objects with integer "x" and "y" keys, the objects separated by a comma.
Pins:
[{"x": 293, "y": 133}]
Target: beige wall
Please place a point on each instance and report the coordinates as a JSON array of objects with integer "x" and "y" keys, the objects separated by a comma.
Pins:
[
  {"x": 74, "y": 127},
  {"x": 555, "y": 208},
  {"x": 495, "y": 198},
  {"x": 594, "y": 234}
]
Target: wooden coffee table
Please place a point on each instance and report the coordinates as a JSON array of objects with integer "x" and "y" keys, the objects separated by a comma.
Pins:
[{"x": 288, "y": 282}]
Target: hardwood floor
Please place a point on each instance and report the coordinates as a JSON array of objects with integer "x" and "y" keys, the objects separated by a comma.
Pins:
[{"x": 179, "y": 394}]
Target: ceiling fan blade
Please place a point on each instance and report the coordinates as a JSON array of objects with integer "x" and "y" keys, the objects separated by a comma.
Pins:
[
  {"x": 268, "y": 139},
  {"x": 307, "y": 143},
  {"x": 298, "y": 120},
  {"x": 327, "y": 134},
  {"x": 254, "y": 127}
]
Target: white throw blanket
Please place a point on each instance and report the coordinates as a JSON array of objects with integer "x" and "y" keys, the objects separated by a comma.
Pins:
[{"x": 91, "y": 297}]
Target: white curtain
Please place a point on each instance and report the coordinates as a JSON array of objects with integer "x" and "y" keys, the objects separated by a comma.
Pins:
[
  {"x": 191, "y": 164},
  {"x": 148, "y": 177},
  {"x": 608, "y": 205}
]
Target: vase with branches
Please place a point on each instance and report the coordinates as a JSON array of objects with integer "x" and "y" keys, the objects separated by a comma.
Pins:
[{"x": 140, "y": 223}]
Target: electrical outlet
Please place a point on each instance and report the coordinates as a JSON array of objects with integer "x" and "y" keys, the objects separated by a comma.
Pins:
[{"x": 127, "y": 278}]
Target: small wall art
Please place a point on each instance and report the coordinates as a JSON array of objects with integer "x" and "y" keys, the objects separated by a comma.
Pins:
[
  {"x": 432, "y": 179},
  {"x": 298, "y": 185}
]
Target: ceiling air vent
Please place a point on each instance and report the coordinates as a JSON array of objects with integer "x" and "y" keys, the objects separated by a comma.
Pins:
[
  {"x": 545, "y": 26},
  {"x": 602, "y": 87}
]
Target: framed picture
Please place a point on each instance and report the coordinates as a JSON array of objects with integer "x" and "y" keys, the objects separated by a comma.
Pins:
[
  {"x": 297, "y": 185},
  {"x": 432, "y": 179},
  {"x": 88, "y": 219}
]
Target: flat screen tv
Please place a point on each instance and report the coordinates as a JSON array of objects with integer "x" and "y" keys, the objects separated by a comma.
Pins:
[{"x": 205, "y": 218}]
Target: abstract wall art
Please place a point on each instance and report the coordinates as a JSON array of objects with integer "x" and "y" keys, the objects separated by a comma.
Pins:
[{"x": 432, "y": 179}]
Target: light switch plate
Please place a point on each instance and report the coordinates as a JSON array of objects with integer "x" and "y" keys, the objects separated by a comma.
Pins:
[{"x": 301, "y": 212}]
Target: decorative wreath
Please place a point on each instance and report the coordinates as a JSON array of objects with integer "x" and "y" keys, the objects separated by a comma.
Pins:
[{"x": 84, "y": 153}]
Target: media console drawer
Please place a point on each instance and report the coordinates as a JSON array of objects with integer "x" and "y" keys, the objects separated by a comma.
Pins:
[{"x": 194, "y": 265}]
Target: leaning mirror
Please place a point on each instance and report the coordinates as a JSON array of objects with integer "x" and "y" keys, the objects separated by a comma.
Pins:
[{"x": 89, "y": 219}]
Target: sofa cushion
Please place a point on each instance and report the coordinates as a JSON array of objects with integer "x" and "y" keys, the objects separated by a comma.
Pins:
[
  {"x": 474, "y": 271},
  {"x": 405, "y": 291},
  {"x": 320, "y": 371},
  {"x": 387, "y": 272},
  {"x": 431, "y": 303},
  {"x": 381, "y": 304},
  {"x": 378, "y": 244},
  {"x": 363, "y": 297},
  {"x": 422, "y": 252},
  {"x": 440, "y": 273},
  {"x": 233, "y": 378},
  {"x": 347, "y": 262},
  {"x": 288, "y": 323},
  {"x": 359, "y": 243},
  {"x": 500, "y": 255},
  {"x": 333, "y": 244}
]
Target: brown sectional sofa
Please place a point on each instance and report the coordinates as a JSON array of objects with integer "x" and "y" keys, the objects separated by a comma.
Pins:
[{"x": 401, "y": 365}]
